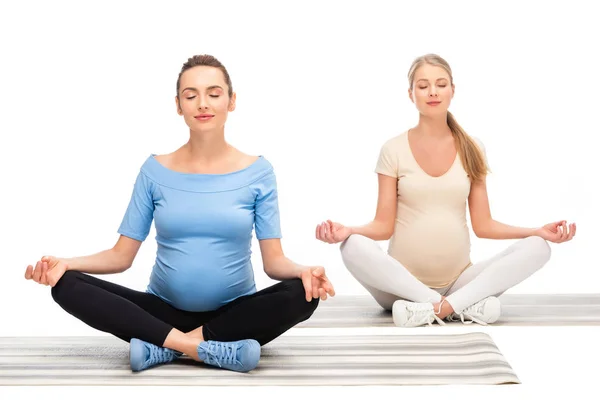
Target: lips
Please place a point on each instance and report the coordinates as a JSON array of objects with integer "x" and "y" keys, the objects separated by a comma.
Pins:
[
  {"x": 433, "y": 103},
  {"x": 203, "y": 117}
]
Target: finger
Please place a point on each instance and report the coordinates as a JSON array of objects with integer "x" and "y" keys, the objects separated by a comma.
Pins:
[
  {"x": 571, "y": 231},
  {"x": 321, "y": 235},
  {"x": 29, "y": 272},
  {"x": 320, "y": 232},
  {"x": 329, "y": 288},
  {"x": 556, "y": 235},
  {"x": 51, "y": 278},
  {"x": 328, "y": 233},
  {"x": 44, "y": 275},
  {"x": 49, "y": 260},
  {"x": 565, "y": 231},
  {"x": 574, "y": 228},
  {"x": 556, "y": 226},
  {"x": 37, "y": 271},
  {"x": 318, "y": 272},
  {"x": 324, "y": 228},
  {"x": 322, "y": 294},
  {"x": 331, "y": 226},
  {"x": 315, "y": 288},
  {"x": 54, "y": 276},
  {"x": 307, "y": 282}
]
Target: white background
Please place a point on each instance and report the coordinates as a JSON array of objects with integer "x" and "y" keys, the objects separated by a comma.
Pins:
[{"x": 88, "y": 93}]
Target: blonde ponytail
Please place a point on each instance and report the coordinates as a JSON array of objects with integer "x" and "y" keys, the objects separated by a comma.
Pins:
[{"x": 471, "y": 156}]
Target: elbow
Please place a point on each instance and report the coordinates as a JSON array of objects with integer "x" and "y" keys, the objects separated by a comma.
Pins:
[
  {"x": 387, "y": 235},
  {"x": 382, "y": 229},
  {"x": 482, "y": 232},
  {"x": 388, "y": 231},
  {"x": 268, "y": 272},
  {"x": 123, "y": 268},
  {"x": 121, "y": 261},
  {"x": 270, "y": 269}
]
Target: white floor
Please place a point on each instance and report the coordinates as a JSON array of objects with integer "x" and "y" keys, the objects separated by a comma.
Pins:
[{"x": 548, "y": 360}]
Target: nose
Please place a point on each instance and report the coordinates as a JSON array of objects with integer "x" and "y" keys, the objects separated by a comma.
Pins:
[
  {"x": 202, "y": 104},
  {"x": 433, "y": 93}
]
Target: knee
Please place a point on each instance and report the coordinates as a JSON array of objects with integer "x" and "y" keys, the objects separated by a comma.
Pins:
[
  {"x": 352, "y": 247},
  {"x": 539, "y": 248},
  {"x": 64, "y": 285},
  {"x": 297, "y": 298}
]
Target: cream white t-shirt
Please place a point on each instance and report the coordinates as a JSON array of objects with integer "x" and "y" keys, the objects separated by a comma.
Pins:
[{"x": 431, "y": 237}]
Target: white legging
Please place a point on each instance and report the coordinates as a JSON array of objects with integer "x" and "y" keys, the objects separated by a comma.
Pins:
[{"x": 387, "y": 280}]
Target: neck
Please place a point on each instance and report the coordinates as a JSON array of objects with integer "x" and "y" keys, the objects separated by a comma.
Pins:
[
  {"x": 206, "y": 147},
  {"x": 433, "y": 127}
]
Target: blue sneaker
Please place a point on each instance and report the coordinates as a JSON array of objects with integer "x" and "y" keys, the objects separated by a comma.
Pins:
[
  {"x": 144, "y": 355},
  {"x": 240, "y": 356}
]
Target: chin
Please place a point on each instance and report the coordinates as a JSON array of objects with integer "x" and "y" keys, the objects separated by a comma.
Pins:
[{"x": 435, "y": 113}]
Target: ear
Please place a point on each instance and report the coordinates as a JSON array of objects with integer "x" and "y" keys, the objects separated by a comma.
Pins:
[
  {"x": 410, "y": 93},
  {"x": 232, "y": 102},
  {"x": 453, "y": 90},
  {"x": 179, "y": 111}
]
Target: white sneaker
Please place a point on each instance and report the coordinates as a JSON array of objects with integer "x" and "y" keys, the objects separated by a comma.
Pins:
[
  {"x": 408, "y": 314},
  {"x": 486, "y": 311}
]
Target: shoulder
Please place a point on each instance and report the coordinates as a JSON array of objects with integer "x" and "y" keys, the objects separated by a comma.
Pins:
[
  {"x": 164, "y": 159},
  {"x": 397, "y": 141},
  {"x": 394, "y": 146},
  {"x": 242, "y": 161}
]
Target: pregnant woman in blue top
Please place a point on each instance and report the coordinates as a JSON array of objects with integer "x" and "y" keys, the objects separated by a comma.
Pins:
[{"x": 205, "y": 199}]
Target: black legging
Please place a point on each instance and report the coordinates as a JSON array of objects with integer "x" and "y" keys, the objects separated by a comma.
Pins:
[{"x": 128, "y": 314}]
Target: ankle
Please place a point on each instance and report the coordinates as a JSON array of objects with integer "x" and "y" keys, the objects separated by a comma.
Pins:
[
  {"x": 183, "y": 343},
  {"x": 442, "y": 308},
  {"x": 196, "y": 333}
]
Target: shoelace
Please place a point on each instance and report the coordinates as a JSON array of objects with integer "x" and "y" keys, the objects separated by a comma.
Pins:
[
  {"x": 220, "y": 352},
  {"x": 422, "y": 312},
  {"x": 470, "y": 312},
  {"x": 160, "y": 355}
]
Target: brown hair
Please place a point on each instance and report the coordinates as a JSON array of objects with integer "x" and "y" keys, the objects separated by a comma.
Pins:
[
  {"x": 205, "y": 60},
  {"x": 470, "y": 155}
]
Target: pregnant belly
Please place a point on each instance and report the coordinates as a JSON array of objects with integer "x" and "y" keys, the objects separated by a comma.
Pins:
[
  {"x": 201, "y": 289},
  {"x": 434, "y": 249}
]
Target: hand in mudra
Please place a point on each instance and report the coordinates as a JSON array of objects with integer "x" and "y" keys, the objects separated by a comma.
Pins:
[
  {"x": 316, "y": 283},
  {"x": 557, "y": 232},
  {"x": 332, "y": 232},
  {"x": 47, "y": 271}
]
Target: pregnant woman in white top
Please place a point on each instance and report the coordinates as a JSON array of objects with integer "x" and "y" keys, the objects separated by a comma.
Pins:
[{"x": 426, "y": 175}]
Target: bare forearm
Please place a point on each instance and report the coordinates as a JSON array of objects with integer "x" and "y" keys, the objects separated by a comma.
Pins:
[
  {"x": 375, "y": 230},
  {"x": 497, "y": 230},
  {"x": 105, "y": 262},
  {"x": 282, "y": 268}
]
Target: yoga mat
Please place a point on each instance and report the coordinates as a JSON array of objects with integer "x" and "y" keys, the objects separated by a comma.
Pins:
[{"x": 462, "y": 359}]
